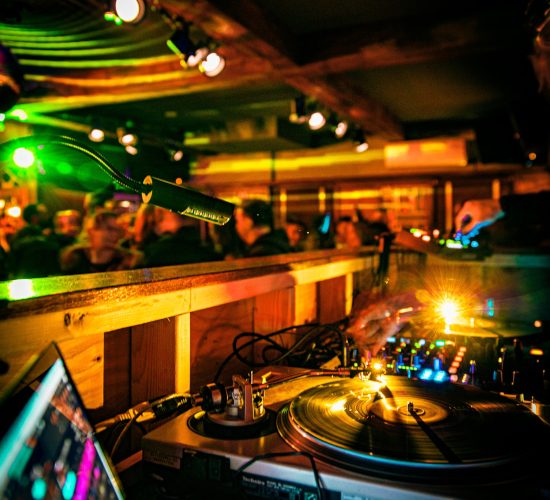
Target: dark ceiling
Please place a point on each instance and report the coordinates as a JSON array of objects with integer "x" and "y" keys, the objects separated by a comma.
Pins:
[{"x": 398, "y": 69}]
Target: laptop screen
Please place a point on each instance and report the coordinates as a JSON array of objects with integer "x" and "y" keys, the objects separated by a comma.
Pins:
[{"x": 47, "y": 445}]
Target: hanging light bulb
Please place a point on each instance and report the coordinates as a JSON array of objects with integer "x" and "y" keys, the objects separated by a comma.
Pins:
[
  {"x": 131, "y": 150},
  {"x": 175, "y": 154},
  {"x": 361, "y": 144},
  {"x": 96, "y": 134},
  {"x": 341, "y": 129},
  {"x": 130, "y": 11},
  {"x": 126, "y": 137},
  {"x": 213, "y": 65},
  {"x": 317, "y": 120},
  {"x": 129, "y": 139}
]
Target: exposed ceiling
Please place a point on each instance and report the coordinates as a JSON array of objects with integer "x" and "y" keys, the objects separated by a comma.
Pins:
[{"x": 399, "y": 69}]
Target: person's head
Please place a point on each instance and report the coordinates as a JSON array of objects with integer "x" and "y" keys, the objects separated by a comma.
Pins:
[
  {"x": 103, "y": 230},
  {"x": 341, "y": 229},
  {"x": 36, "y": 214},
  {"x": 295, "y": 230},
  {"x": 252, "y": 219},
  {"x": 67, "y": 222}
]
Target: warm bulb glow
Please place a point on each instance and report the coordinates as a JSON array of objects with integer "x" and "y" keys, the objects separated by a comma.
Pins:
[
  {"x": 341, "y": 129},
  {"x": 449, "y": 311},
  {"x": 361, "y": 148},
  {"x": 14, "y": 211},
  {"x": 131, "y": 150},
  {"x": 96, "y": 135},
  {"x": 316, "y": 120},
  {"x": 130, "y": 11},
  {"x": 213, "y": 64},
  {"x": 177, "y": 155},
  {"x": 128, "y": 139}
]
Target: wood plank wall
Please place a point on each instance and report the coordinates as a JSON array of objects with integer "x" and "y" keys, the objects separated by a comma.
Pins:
[{"x": 129, "y": 343}]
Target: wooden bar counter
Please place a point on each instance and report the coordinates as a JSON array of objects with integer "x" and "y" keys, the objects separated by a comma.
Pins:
[{"x": 134, "y": 335}]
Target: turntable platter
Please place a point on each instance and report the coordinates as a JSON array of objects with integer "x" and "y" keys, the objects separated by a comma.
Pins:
[{"x": 410, "y": 428}]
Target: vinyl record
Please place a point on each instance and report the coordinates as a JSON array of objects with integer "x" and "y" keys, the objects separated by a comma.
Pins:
[{"x": 411, "y": 429}]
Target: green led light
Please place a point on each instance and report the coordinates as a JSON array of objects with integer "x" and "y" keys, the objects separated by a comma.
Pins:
[
  {"x": 439, "y": 343},
  {"x": 413, "y": 351},
  {"x": 432, "y": 346},
  {"x": 109, "y": 16},
  {"x": 23, "y": 157},
  {"x": 20, "y": 289},
  {"x": 2, "y": 117}
]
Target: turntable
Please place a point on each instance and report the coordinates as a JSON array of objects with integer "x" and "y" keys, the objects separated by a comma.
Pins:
[{"x": 348, "y": 438}]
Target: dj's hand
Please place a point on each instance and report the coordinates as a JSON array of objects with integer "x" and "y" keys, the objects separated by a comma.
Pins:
[
  {"x": 372, "y": 323},
  {"x": 476, "y": 214}
]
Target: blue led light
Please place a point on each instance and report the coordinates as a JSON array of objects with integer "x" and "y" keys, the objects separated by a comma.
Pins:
[
  {"x": 490, "y": 307},
  {"x": 391, "y": 339},
  {"x": 437, "y": 364},
  {"x": 439, "y": 343},
  {"x": 475, "y": 244},
  {"x": 440, "y": 376},
  {"x": 426, "y": 374},
  {"x": 422, "y": 341}
]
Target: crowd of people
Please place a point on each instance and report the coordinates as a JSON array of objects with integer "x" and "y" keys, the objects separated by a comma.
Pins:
[{"x": 102, "y": 238}]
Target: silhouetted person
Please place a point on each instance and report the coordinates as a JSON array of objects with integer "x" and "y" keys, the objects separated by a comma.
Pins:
[
  {"x": 296, "y": 231},
  {"x": 36, "y": 219},
  {"x": 254, "y": 225},
  {"x": 100, "y": 251},
  {"x": 179, "y": 241}
]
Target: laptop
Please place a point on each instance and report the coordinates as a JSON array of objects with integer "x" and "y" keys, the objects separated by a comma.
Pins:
[{"x": 48, "y": 449}]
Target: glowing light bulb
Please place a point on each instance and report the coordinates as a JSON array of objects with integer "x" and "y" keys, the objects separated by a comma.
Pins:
[
  {"x": 341, "y": 129},
  {"x": 96, "y": 135},
  {"x": 316, "y": 120},
  {"x": 130, "y": 11},
  {"x": 213, "y": 64},
  {"x": 448, "y": 310},
  {"x": 23, "y": 157},
  {"x": 14, "y": 211}
]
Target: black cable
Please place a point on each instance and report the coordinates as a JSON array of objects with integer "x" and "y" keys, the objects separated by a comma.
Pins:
[
  {"x": 249, "y": 343},
  {"x": 316, "y": 475},
  {"x": 267, "y": 338},
  {"x": 287, "y": 352},
  {"x": 126, "y": 429},
  {"x": 315, "y": 333}
]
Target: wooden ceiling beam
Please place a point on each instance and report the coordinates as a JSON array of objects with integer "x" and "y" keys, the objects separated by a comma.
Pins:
[{"x": 241, "y": 26}]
